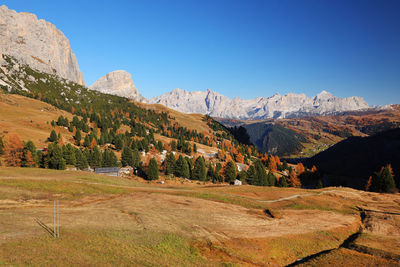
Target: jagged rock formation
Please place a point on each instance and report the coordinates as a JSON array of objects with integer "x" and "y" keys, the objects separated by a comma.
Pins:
[
  {"x": 117, "y": 83},
  {"x": 37, "y": 43},
  {"x": 276, "y": 106}
]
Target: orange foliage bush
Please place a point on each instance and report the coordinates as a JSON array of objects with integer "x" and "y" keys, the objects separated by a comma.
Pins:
[
  {"x": 300, "y": 168},
  {"x": 15, "y": 147},
  {"x": 29, "y": 159},
  {"x": 294, "y": 180}
]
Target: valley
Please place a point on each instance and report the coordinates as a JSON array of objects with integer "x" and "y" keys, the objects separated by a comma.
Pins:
[{"x": 307, "y": 136}]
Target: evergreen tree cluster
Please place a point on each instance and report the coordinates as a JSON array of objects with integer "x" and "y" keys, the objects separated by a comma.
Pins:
[
  {"x": 257, "y": 175},
  {"x": 383, "y": 181}
]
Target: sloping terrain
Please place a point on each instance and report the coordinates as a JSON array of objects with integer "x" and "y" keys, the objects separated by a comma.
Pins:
[
  {"x": 114, "y": 221},
  {"x": 275, "y": 139},
  {"x": 353, "y": 160},
  {"x": 29, "y": 118},
  {"x": 190, "y": 121}
]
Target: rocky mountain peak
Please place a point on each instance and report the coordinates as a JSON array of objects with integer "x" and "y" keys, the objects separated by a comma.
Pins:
[
  {"x": 37, "y": 43},
  {"x": 119, "y": 83},
  {"x": 324, "y": 95},
  {"x": 276, "y": 106}
]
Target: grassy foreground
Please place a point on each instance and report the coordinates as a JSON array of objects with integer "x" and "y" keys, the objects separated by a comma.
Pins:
[{"x": 108, "y": 221}]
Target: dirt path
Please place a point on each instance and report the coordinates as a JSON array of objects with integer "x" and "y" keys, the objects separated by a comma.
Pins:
[{"x": 350, "y": 243}]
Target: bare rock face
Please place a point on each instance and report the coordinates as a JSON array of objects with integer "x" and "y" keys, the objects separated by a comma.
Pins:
[
  {"x": 119, "y": 83},
  {"x": 276, "y": 106},
  {"x": 38, "y": 44}
]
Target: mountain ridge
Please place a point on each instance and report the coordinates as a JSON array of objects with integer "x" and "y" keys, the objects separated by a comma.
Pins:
[{"x": 276, "y": 106}]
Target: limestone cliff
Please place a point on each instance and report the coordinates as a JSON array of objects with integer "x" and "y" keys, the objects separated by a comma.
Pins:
[
  {"x": 37, "y": 43},
  {"x": 117, "y": 83}
]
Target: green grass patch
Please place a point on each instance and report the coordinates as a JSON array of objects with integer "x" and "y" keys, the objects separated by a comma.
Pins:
[
  {"x": 103, "y": 248},
  {"x": 67, "y": 189},
  {"x": 109, "y": 180}
]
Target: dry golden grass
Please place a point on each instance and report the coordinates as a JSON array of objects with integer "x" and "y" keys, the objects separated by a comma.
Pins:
[
  {"x": 167, "y": 140},
  {"x": 29, "y": 118},
  {"x": 190, "y": 121},
  {"x": 114, "y": 221}
]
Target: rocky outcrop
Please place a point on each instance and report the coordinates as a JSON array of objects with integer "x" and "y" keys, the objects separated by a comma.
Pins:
[
  {"x": 276, "y": 106},
  {"x": 117, "y": 83},
  {"x": 38, "y": 44}
]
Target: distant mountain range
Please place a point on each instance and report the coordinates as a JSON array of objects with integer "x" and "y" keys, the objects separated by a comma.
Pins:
[{"x": 276, "y": 106}]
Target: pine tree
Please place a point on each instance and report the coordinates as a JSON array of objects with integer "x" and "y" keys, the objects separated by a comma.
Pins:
[
  {"x": 62, "y": 165},
  {"x": 81, "y": 161},
  {"x": 282, "y": 182},
  {"x": 78, "y": 137},
  {"x": 230, "y": 172},
  {"x": 86, "y": 141},
  {"x": 271, "y": 179},
  {"x": 182, "y": 168},
  {"x": 152, "y": 171},
  {"x": 69, "y": 154},
  {"x": 170, "y": 164},
  {"x": 251, "y": 175},
  {"x": 190, "y": 165},
  {"x": 173, "y": 145},
  {"x": 109, "y": 159},
  {"x": 218, "y": 169},
  {"x": 242, "y": 176},
  {"x": 199, "y": 170},
  {"x": 43, "y": 159},
  {"x": 261, "y": 175},
  {"x": 127, "y": 157},
  {"x": 383, "y": 180},
  {"x": 95, "y": 158},
  {"x": 53, "y": 136},
  {"x": 136, "y": 158},
  {"x": 211, "y": 173},
  {"x": 159, "y": 146},
  {"x": 56, "y": 160},
  {"x": 118, "y": 142}
]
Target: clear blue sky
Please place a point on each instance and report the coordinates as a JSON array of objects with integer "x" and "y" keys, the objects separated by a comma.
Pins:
[{"x": 237, "y": 48}]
